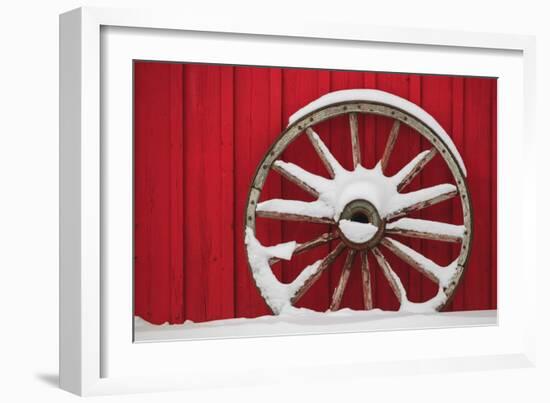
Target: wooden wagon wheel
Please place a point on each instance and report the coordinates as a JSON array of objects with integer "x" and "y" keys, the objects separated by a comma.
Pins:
[{"x": 364, "y": 207}]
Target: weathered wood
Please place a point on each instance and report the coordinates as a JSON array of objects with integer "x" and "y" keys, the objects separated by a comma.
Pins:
[
  {"x": 422, "y": 204},
  {"x": 446, "y": 233},
  {"x": 355, "y": 146},
  {"x": 365, "y": 276},
  {"x": 303, "y": 247},
  {"x": 294, "y": 179},
  {"x": 327, "y": 261},
  {"x": 339, "y": 290},
  {"x": 304, "y": 125},
  {"x": 292, "y": 217},
  {"x": 423, "y": 235},
  {"x": 417, "y": 168},
  {"x": 409, "y": 260},
  {"x": 393, "y": 280},
  {"x": 390, "y": 143},
  {"x": 322, "y": 150}
]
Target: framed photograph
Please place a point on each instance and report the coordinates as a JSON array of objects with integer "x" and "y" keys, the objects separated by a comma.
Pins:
[
  {"x": 220, "y": 185},
  {"x": 339, "y": 161}
]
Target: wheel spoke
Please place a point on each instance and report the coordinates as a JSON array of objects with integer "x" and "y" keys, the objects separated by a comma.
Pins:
[
  {"x": 295, "y": 210},
  {"x": 308, "y": 181},
  {"x": 413, "y": 168},
  {"x": 324, "y": 153},
  {"x": 425, "y": 229},
  {"x": 390, "y": 143},
  {"x": 339, "y": 290},
  {"x": 420, "y": 199},
  {"x": 395, "y": 283},
  {"x": 365, "y": 276},
  {"x": 300, "y": 248},
  {"x": 355, "y": 146},
  {"x": 325, "y": 263},
  {"x": 438, "y": 274}
]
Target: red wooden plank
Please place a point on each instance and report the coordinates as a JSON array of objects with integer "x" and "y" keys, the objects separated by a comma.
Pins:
[
  {"x": 340, "y": 144},
  {"x": 477, "y": 125},
  {"x": 437, "y": 101},
  {"x": 176, "y": 194},
  {"x": 397, "y": 84},
  {"x": 410, "y": 145},
  {"x": 194, "y": 80},
  {"x": 257, "y": 122},
  {"x": 208, "y": 173},
  {"x": 160, "y": 226},
  {"x": 370, "y": 158},
  {"x": 142, "y": 274},
  {"x": 459, "y": 140},
  {"x": 494, "y": 205},
  {"x": 368, "y": 138},
  {"x": 221, "y": 279},
  {"x": 157, "y": 118},
  {"x": 299, "y": 88}
]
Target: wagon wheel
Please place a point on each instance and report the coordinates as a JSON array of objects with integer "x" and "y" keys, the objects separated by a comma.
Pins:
[{"x": 364, "y": 207}]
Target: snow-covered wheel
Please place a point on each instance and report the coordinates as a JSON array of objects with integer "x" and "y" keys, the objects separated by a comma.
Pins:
[{"x": 364, "y": 207}]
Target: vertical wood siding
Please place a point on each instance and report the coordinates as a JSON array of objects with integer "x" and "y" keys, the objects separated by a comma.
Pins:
[{"x": 200, "y": 131}]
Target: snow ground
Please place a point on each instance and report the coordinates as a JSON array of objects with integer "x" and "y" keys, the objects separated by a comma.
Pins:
[{"x": 305, "y": 321}]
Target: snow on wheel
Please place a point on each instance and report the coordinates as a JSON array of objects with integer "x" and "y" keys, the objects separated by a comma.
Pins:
[{"x": 364, "y": 207}]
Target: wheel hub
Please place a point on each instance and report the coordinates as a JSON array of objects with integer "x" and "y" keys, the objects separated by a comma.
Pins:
[{"x": 362, "y": 211}]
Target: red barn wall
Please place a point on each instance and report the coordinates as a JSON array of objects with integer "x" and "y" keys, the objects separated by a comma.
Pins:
[{"x": 201, "y": 130}]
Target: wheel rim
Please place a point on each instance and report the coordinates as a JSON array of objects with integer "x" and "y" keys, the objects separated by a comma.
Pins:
[{"x": 385, "y": 220}]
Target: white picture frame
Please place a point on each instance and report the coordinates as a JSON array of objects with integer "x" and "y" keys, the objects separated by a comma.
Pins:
[{"x": 97, "y": 355}]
